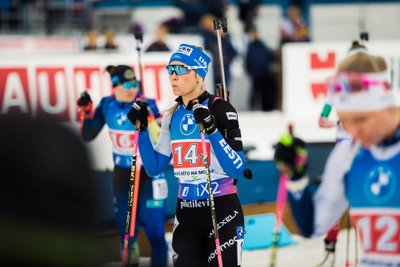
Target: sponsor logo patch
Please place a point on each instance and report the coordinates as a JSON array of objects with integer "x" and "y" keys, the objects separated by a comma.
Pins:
[
  {"x": 231, "y": 116},
  {"x": 380, "y": 184},
  {"x": 188, "y": 124},
  {"x": 185, "y": 50}
]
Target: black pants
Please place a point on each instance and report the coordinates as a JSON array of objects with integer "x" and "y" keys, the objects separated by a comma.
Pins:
[{"x": 193, "y": 240}]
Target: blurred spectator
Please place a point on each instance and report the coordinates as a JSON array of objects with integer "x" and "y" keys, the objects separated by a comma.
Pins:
[
  {"x": 293, "y": 27},
  {"x": 12, "y": 10},
  {"x": 173, "y": 25},
  {"x": 48, "y": 196},
  {"x": 211, "y": 44},
  {"x": 14, "y": 17},
  {"x": 247, "y": 13},
  {"x": 109, "y": 39},
  {"x": 159, "y": 43},
  {"x": 193, "y": 10},
  {"x": 91, "y": 41},
  {"x": 259, "y": 59},
  {"x": 136, "y": 29}
]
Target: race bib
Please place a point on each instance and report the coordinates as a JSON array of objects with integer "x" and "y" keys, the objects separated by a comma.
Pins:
[{"x": 160, "y": 189}]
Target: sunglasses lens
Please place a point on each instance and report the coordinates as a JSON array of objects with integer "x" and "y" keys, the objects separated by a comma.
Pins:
[
  {"x": 347, "y": 83},
  {"x": 179, "y": 70},
  {"x": 129, "y": 85},
  {"x": 170, "y": 69}
]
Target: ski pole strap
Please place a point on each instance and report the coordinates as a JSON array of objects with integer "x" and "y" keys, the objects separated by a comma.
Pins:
[{"x": 281, "y": 198}]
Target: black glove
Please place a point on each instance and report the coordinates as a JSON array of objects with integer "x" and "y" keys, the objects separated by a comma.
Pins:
[
  {"x": 292, "y": 152},
  {"x": 330, "y": 245},
  {"x": 84, "y": 100},
  {"x": 85, "y": 104},
  {"x": 203, "y": 115},
  {"x": 138, "y": 112}
]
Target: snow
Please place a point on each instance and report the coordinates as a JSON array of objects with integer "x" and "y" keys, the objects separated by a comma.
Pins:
[{"x": 305, "y": 253}]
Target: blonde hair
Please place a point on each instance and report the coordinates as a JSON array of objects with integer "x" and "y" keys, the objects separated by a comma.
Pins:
[
  {"x": 381, "y": 63},
  {"x": 362, "y": 62}
]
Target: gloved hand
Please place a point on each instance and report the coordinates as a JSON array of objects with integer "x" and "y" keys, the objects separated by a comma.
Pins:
[
  {"x": 326, "y": 123},
  {"x": 203, "y": 115},
  {"x": 84, "y": 103},
  {"x": 138, "y": 112},
  {"x": 330, "y": 245},
  {"x": 292, "y": 153}
]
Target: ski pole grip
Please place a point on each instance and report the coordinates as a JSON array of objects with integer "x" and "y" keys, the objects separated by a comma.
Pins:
[
  {"x": 221, "y": 23},
  {"x": 137, "y": 122},
  {"x": 195, "y": 103}
]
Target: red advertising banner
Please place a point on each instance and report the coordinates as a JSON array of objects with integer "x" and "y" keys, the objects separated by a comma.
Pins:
[{"x": 49, "y": 88}]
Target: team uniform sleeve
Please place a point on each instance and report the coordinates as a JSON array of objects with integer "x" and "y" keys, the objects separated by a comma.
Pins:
[
  {"x": 156, "y": 159},
  {"x": 330, "y": 199},
  {"x": 316, "y": 213},
  {"x": 227, "y": 141},
  {"x": 92, "y": 126}
]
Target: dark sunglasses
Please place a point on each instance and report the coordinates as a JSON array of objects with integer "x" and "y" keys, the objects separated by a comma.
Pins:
[
  {"x": 130, "y": 85},
  {"x": 180, "y": 69}
]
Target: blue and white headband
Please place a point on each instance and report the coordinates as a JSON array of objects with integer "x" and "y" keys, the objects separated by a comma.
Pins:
[{"x": 192, "y": 56}]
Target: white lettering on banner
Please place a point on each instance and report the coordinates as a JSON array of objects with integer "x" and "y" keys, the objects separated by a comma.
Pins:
[
  {"x": 22, "y": 91},
  {"x": 14, "y": 95},
  {"x": 52, "y": 91},
  {"x": 89, "y": 79}
]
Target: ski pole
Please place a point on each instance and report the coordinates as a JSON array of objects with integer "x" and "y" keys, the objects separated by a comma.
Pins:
[
  {"x": 210, "y": 193},
  {"x": 139, "y": 39},
  {"x": 135, "y": 193},
  {"x": 280, "y": 208},
  {"x": 347, "y": 264},
  {"x": 219, "y": 24},
  {"x": 352, "y": 155},
  {"x": 132, "y": 197},
  {"x": 281, "y": 199},
  {"x": 330, "y": 246},
  {"x": 356, "y": 244}
]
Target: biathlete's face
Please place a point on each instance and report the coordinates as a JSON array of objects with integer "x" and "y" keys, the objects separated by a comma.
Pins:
[
  {"x": 127, "y": 91},
  {"x": 183, "y": 81},
  {"x": 369, "y": 127}
]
